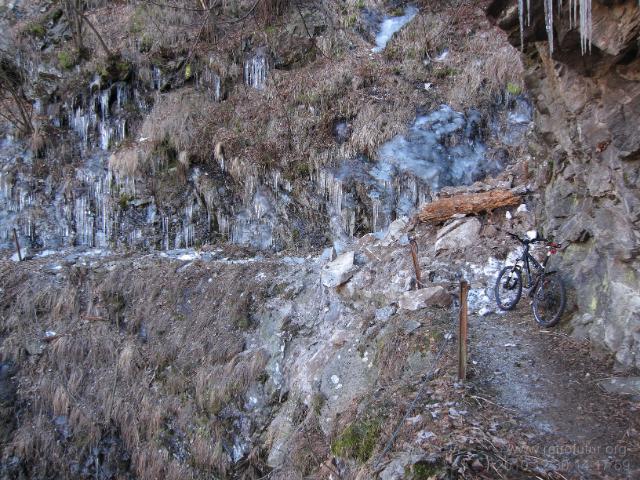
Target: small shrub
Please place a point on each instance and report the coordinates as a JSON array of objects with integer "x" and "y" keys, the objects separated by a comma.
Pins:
[
  {"x": 66, "y": 60},
  {"x": 146, "y": 43},
  {"x": 514, "y": 89}
]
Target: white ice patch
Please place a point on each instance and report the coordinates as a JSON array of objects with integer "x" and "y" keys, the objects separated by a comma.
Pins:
[{"x": 390, "y": 26}]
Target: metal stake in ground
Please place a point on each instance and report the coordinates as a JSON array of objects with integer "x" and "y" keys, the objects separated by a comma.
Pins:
[
  {"x": 15, "y": 237},
  {"x": 462, "y": 333},
  {"x": 414, "y": 255}
]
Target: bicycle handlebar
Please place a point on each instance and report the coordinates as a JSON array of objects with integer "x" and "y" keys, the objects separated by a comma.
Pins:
[{"x": 526, "y": 241}]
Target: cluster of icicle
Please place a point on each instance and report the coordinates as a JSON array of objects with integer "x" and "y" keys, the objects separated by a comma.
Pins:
[{"x": 579, "y": 14}]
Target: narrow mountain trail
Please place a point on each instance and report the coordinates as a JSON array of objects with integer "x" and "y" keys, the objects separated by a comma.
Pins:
[{"x": 548, "y": 382}]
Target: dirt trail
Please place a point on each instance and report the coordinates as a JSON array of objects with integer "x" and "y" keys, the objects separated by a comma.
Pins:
[{"x": 548, "y": 381}]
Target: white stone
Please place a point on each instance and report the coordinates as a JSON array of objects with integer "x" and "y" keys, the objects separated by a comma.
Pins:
[
  {"x": 24, "y": 251},
  {"x": 457, "y": 235},
  {"x": 395, "y": 231},
  {"x": 339, "y": 271}
]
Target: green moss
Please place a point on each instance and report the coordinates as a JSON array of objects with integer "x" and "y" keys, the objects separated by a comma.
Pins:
[
  {"x": 187, "y": 72},
  {"x": 360, "y": 4},
  {"x": 514, "y": 89},
  {"x": 35, "y": 29},
  {"x": 54, "y": 15},
  {"x": 124, "y": 200},
  {"x": 114, "y": 69},
  {"x": 357, "y": 441},
  {"x": 66, "y": 60},
  {"x": 422, "y": 471}
]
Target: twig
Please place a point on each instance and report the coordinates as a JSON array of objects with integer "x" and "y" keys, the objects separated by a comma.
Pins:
[{"x": 476, "y": 397}]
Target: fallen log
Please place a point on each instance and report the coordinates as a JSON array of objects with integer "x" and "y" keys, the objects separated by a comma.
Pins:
[{"x": 467, "y": 203}]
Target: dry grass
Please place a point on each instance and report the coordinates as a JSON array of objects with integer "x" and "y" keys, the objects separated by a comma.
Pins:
[
  {"x": 128, "y": 161},
  {"x": 179, "y": 118},
  {"x": 105, "y": 380},
  {"x": 218, "y": 386},
  {"x": 487, "y": 67}
]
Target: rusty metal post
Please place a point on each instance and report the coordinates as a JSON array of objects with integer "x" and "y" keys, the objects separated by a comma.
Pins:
[
  {"x": 416, "y": 265},
  {"x": 462, "y": 333},
  {"x": 15, "y": 237}
]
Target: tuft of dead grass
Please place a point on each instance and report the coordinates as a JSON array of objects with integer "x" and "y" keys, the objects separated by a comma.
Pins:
[
  {"x": 217, "y": 386},
  {"x": 128, "y": 162},
  {"x": 495, "y": 66},
  {"x": 180, "y": 118}
]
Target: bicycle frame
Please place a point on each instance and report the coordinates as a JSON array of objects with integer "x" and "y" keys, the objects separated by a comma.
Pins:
[{"x": 527, "y": 260}]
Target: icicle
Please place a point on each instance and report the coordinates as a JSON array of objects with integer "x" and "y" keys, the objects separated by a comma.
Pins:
[
  {"x": 548, "y": 21},
  {"x": 521, "y": 18},
  {"x": 528, "y": 13},
  {"x": 255, "y": 71},
  {"x": 585, "y": 26}
]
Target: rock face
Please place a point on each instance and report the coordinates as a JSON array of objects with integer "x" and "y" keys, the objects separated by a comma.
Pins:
[
  {"x": 339, "y": 271},
  {"x": 588, "y": 162}
]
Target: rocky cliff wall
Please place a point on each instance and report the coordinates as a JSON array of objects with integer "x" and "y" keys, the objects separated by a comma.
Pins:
[{"x": 587, "y": 159}]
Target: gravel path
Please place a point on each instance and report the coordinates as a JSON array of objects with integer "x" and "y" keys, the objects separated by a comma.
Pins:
[{"x": 550, "y": 383}]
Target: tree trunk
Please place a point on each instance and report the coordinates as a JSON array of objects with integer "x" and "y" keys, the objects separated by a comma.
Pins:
[{"x": 444, "y": 208}]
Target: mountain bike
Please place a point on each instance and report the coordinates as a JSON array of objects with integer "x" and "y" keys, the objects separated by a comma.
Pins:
[{"x": 546, "y": 288}]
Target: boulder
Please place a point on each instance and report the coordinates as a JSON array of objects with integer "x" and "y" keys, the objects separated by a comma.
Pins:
[
  {"x": 426, "y": 297},
  {"x": 459, "y": 234},
  {"x": 339, "y": 271}
]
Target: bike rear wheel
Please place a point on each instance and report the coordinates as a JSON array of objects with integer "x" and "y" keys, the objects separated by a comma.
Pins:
[
  {"x": 549, "y": 300},
  {"x": 508, "y": 288}
]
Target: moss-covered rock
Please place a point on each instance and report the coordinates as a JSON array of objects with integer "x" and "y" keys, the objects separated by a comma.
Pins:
[{"x": 357, "y": 441}]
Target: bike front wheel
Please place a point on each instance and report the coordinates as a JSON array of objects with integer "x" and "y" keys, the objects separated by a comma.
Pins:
[
  {"x": 549, "y": 300},
  {"x": 508, "y": 288}
]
